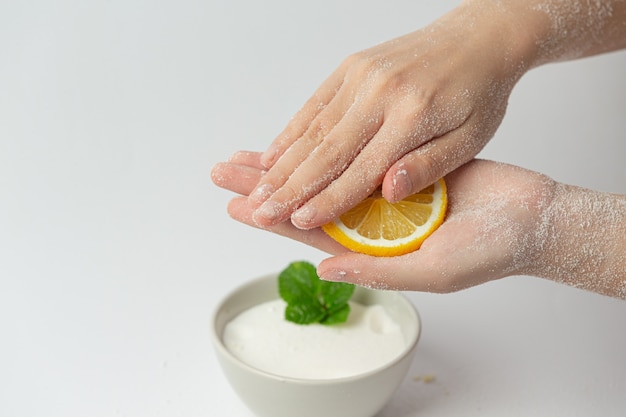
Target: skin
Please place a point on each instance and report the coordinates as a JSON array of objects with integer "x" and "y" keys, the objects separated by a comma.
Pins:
[
  {"x": 502, "y": 220},
  {"x": 404, "y": 113},
  {"x": 409, "y": 111}
]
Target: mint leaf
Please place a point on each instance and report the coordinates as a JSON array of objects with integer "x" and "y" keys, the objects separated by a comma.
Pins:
[
  {"x": 304, "y": 313},
  {"x": 335, "y": 295},
  {"x": 299, "y": 281},
  {"x": 311, "y": 300},
  {"x": 337, "y": 316}
]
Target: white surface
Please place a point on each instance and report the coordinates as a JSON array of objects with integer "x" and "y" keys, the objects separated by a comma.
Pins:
[{"x": 115, "y": 246}]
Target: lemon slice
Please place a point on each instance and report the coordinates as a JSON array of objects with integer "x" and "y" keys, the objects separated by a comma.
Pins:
[{"x": 380, "y": 228}]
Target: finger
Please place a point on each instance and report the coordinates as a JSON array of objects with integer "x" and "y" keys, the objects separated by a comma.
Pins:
[
  {"x": 363, "y": 175},
  {"x": 383, "y": 273},
  {"x": 240, "y": 179},
  {"x": 303, "y": 119},
  {"x": 419, "y": 168},
  {"x": 240, "y": 210},
  {"x": 249, "y": 158},
  {"x": 324, "y": 164},
  {"x": 421, "y": 270},
  {"x": 301, "y": 149}
]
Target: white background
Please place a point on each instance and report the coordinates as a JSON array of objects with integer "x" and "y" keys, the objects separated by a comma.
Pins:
[{"x": 115, "y": 246}]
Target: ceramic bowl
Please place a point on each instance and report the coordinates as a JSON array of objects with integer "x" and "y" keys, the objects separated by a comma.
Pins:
[{"x": 268, "y": 395}]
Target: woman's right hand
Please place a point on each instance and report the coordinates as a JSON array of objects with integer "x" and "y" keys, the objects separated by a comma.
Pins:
[{"x": 401, "y": 114}]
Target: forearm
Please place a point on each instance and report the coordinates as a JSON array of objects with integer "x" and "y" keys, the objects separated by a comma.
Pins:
[
  {"x": 581, "y": 241},
  {"x": 578, "y": 28},
  {"x": 542, "y": 31}
]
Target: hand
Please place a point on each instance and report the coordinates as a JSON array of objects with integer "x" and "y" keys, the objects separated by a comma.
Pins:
[
  {"x": 403, "y": 114},
  {"x": 494, "y": 216}
]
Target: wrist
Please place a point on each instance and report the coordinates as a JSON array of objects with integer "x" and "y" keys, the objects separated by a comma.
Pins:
[
  {"x": 507, "y": 31},
  {"x": 546, "y": 31},
  {"x": 581, "y": 241}
]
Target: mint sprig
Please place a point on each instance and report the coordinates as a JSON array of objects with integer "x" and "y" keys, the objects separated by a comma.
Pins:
[{"x": 310, "y": 299}]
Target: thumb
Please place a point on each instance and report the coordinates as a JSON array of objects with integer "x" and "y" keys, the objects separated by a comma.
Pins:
[
  {"x": 423, "y": 166},
  {"x": 381, "y": 273}
]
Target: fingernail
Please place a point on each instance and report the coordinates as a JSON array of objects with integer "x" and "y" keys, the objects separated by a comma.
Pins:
[
  {"x": 334, "y": 276},
  {"x": 402, "y": 185},
  {"x": 269, "y": 210},
  {"x": 304, "y": 216},
  {"x": 261, "y": 193}
]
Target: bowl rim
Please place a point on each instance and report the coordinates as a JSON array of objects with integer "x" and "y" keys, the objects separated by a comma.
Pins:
[{"x": 225, "y": 353}]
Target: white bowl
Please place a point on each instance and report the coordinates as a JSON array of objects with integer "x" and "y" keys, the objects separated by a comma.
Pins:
[{"x": 269, "y": 395}]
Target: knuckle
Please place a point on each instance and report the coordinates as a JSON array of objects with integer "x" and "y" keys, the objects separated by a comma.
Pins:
[
  {"x": 428, "y": 166},
  {"x": 330, "y": 157},
  {"x": 289, "y": 193},
  {"x": 381, "y": 73},
  {"x": 417, "y": 111},
  {"x": 353, "y": 60},
  {"x": 318, "y": 129}
]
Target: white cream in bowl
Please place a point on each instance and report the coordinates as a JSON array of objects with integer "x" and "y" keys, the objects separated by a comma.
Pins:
[{"x": 261, "y": 337}]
